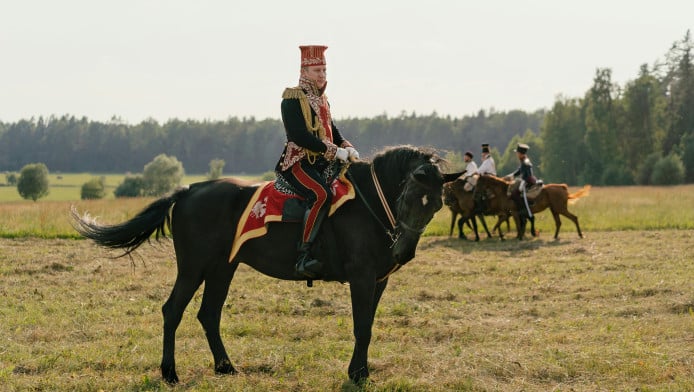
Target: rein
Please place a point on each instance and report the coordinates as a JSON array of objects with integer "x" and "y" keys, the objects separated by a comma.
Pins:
[
  {"x": 392, "y": 234},
  {"x": 381, "y": 196}
]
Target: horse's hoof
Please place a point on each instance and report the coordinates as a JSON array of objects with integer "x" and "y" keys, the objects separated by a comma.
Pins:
[
  {"x": 225, "y": 367},
  {"x": 169, "y": 375},
  {"x": 359, "y": 376}
]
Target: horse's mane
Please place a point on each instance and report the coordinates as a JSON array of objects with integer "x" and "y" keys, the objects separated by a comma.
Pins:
[
  {"x": 393, "y": 164},
  {"x": 407, "y": 157}
]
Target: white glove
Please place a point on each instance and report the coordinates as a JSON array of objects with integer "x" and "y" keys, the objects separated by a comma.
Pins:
[
  {"x": 342, "y": 154},
  {"x": 353, "y": 153}
]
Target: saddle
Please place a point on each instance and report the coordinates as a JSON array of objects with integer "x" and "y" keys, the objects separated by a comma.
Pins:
[
  {"x": 531, "y": 192},
  {"x": 534, "y": 190},
  {"x": 273, "y": 202}
]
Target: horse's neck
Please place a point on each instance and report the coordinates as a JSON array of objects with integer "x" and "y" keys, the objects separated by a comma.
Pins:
[{"x": 392, "y": 184}]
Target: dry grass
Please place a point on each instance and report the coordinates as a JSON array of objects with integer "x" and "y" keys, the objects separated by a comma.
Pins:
[{"x": 613, "y": 311}]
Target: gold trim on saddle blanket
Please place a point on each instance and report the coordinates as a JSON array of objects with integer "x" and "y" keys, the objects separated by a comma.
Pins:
[{"x": 241, "y": 237}]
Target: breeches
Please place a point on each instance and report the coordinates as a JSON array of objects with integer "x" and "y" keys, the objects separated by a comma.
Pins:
[{"x": 309, "y": 183}]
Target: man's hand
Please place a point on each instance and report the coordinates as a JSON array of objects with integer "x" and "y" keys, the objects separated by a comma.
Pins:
[
  {"x": 353, "y": 153},
  {"x": 342, "y": 154}
]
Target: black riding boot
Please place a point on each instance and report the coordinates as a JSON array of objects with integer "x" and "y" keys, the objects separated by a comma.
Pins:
[
  {"x": 480, "y": 202},
  {"x": 308, "y": 266},
  {"x": 522, "y": 212}
]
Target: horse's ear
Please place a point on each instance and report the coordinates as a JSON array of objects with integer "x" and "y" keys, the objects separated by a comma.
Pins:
[{"x": 448, "y": 177}]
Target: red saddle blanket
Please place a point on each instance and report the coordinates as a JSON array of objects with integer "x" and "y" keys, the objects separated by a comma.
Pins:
[{"x": 267, "y": 205}]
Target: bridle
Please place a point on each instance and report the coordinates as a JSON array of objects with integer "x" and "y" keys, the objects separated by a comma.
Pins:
[{"x": 394, "y": 229}]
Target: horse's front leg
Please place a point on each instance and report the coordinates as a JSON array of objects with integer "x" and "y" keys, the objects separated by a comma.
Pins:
[
  {"x": 366, "y": 293},
  {"x": 484, "y": 224}
]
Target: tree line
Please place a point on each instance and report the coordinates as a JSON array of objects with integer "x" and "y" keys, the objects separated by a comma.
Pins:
[
  {"x": 639, "y": 133},
  {"x": 69, "y": 144}
]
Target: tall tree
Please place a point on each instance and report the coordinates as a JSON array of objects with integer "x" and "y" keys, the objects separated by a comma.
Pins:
[
  {"x": 601, "y": 123},
  {"x": 680, "y": 82},
  {"x": 642, "y": 101},
  {"x": 563, "y": 135}
]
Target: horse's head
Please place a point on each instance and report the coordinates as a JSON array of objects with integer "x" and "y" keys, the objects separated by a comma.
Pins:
[{"x": 419, "y": 199}]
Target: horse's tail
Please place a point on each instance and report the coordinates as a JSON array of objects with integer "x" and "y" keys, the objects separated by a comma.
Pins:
[
  {"x": 583, "y": 192},
  {"x": 131, "y": 234}
]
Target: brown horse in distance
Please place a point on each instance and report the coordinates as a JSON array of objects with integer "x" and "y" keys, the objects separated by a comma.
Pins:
[
  {"x": 556, "y": 197},
  {"x": 462, "y": 202}
]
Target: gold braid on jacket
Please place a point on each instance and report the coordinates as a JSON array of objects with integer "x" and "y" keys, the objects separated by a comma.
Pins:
[{"x": 317, "y": 130}]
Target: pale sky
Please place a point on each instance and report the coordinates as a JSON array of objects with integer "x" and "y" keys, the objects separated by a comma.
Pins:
[{"x": 214, "y": 59}]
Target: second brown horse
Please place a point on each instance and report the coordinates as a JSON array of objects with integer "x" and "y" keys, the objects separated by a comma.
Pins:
[{"x": 556, "y": 197}]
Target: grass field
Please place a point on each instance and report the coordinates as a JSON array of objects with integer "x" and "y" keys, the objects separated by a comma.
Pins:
[
  {"x": 611, "y": 312},
  {"x": 605, "y": 209}
]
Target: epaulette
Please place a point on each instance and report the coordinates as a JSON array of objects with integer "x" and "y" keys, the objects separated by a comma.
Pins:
[
  {"x": 293, "y": 93},
  {"x": 527, "y": 162}
]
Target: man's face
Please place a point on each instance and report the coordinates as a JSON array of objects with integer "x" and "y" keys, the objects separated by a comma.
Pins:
[
  {"x": 466, "y": 158},
  {"x": 317, "y": 74}
]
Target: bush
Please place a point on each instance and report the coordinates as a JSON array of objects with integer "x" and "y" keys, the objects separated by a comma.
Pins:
[
  {"x": 11, "y": 179},
  {"x": 268, "y": 176},
  {"x": 132, "y": 186},
  {"x": 162, "y": 175},
  {"x": 688, "y": 157},
  {"x": 216, "y": 167},
  {"x": 33, "y": 181},
  {"x": 94, "y": 189},
  {"x": 645, "y": 170},
  {"x": 668, "y": 170},
  {"x": 617, "y": 175}
]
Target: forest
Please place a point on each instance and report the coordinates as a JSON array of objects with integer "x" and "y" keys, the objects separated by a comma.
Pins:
[{"x": 641, "y": 132}]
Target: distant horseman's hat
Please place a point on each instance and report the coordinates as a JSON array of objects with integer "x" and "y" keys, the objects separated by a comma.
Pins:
[
  {"x": 485, "y": 148},
  {"x": 522, "y": 148},
  {"x": 312, "y": 55},
  {"x": 468, "y": 153}
]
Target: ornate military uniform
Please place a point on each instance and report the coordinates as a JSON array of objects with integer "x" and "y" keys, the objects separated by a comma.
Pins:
[
  {"x": 312, "y": 144},
  {"x": 523, "y": 178}
]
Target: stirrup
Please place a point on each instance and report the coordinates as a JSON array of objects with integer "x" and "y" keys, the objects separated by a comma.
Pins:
[{"x": 308, "y": 267}]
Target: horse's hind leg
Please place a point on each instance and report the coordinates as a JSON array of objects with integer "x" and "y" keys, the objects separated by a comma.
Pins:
[
  {"x": 210, "y": 313},
  {"x": 183, "y": 291},
  {"x": 574, "y": 219},
  {"x": 557, "y": 223}
]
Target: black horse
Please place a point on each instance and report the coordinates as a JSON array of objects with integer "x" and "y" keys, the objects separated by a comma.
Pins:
[{"x": 359, "y": 244}]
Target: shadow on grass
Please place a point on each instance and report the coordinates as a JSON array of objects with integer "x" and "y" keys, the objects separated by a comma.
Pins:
[{"x": 495, "y": 244}]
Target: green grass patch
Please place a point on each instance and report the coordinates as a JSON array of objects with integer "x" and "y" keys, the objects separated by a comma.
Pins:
[
  {"x": 67, "y": 186},
  {"x": 605, "y": 209}
]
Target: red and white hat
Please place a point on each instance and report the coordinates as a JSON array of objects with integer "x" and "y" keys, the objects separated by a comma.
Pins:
[{"x": 312, "y": 55}]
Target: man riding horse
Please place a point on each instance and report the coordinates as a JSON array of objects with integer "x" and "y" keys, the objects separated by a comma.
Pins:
[
  {"x": 313, "y": 143},
  {"x": 522, "y": 179}
]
